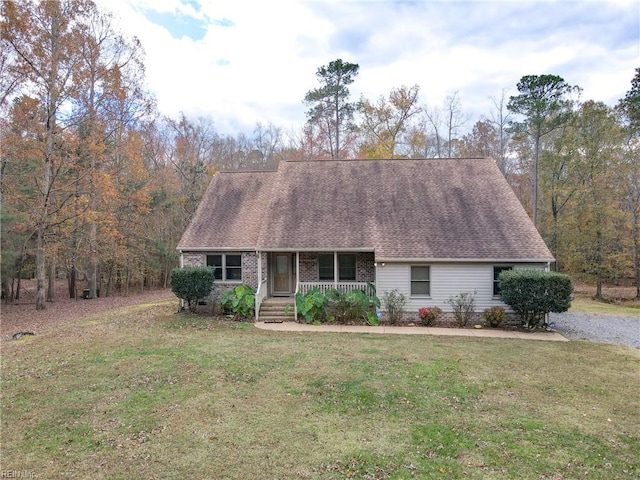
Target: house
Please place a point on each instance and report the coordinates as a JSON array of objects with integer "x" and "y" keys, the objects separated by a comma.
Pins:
[{"x": 429, "y": 228}]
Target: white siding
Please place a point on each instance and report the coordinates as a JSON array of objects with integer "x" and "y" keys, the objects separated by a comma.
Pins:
[{"x": 447, "y": 280}]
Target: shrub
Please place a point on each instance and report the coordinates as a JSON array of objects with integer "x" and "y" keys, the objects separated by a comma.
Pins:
[
  {"x": 337, "y": 305},
  {"x": 533, "y": 293},
  {"x": 360, "y": 305},
  {"x": 192, "y": 284},
  {"x": 429, "y": 315},
  {"x": 240, "y": 301},
  {"x": 494, "y": 316},
  {"x": 463, "y": 306},
  {"x": 394, "y": 302},
  {"x": 311, "y": 305}
]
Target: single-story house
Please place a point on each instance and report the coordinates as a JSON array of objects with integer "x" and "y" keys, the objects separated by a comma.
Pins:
[{"x": 429, "y": 228}]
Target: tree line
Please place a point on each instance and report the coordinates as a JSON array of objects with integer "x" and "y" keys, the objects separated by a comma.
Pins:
[{"x": 96, "y": 185}]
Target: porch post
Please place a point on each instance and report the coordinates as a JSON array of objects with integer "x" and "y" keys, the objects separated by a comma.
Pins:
[
  {"x": 259, "y": 254},
  {"x": 297, "y": 272},
  {"x": 335, "y": 270}
]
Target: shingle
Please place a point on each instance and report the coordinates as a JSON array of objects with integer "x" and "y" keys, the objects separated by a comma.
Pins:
[
  {"x": 419, "y": 209},
  {"x": 230, "y": 213}
]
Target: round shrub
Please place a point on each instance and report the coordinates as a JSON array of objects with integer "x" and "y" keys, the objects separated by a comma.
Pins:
[
  {"x": 429, "y": 315},
  {"x": 494, "y": 316}
]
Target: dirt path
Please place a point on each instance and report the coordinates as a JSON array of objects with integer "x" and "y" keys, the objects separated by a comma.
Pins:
[{"x": 23, "y": 317}]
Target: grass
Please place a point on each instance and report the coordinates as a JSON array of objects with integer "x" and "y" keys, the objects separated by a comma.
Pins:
[
  {"x": 589, "y": 305},
  {"x": 619, "y": 301},
  {"x": 145, "y": 393}
]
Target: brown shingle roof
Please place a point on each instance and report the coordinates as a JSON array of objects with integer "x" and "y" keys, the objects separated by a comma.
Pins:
[
  {"x": 403, "y": 209},
  {"x": 230, "y": 213}
]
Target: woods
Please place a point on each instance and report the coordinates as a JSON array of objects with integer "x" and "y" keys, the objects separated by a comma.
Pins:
[{"x": 97, "y": 186}]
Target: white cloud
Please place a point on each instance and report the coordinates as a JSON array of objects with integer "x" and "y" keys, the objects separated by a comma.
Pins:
[{"x": 257, "y": 59}]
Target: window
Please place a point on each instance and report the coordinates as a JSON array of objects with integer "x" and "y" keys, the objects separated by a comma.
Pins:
[
  {"x": 496, "y": 276},
  {"x": 325, "y": 261},
  {"x": 215, "y": 261},
  {"x": 420, "y": 283},
  {"x": 228, "y": 266},
  {"x": 347, "y": 267},
  {"x": 233, "y": 267}
]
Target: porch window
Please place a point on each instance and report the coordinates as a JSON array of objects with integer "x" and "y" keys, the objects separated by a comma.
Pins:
[
  {"x": 420, "y": 281},
  {"x": 325, "y": 262},
  {"x": 228, "y": 266},
  {"x": 496, "y": 277},
  {"x": 346, "y": 267}
]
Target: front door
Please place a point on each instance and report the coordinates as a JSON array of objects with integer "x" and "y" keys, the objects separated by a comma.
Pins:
[{"x": 282, "y": 274}]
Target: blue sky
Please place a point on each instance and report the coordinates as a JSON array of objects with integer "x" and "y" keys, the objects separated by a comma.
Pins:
[{"x": 247, "y": 61}]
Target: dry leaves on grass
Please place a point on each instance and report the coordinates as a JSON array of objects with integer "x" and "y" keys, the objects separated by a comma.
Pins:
[{"x": 23, "y": 317}]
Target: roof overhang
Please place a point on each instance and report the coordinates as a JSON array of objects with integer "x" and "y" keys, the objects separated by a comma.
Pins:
[
  {"x": 464, "y": 260},
  {"x": 215, "y": 249}
]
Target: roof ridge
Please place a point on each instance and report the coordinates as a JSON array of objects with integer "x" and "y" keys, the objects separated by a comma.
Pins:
[{"x": 334, "y": 160}]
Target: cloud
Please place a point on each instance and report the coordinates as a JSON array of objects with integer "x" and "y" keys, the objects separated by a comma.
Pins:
[{"x": 244, "y": 61}]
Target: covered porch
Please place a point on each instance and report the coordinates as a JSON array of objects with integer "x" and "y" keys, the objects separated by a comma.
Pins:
[{"x": 283, "y": 274}]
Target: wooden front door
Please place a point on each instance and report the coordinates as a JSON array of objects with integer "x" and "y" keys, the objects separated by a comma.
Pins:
[{"x": 281, "y": 273}]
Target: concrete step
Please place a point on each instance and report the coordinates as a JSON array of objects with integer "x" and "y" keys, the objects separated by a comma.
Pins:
[
  {"x": 275, "y": 319},
  {"x": 289, "y": 311},
  {"x": 277, "y": 310}
]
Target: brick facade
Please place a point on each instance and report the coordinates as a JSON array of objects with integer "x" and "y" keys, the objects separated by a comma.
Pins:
[
  {"x": 250, "y": 269},
  {"x": 194, "y": 259},
  {"x": 308, "y": 267},
  {"x": 365, "y": 268},
  {"x": 249, "y": 265}
]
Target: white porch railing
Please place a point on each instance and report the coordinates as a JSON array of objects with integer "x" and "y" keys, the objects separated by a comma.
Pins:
[
  {"x": 304, "y": 287},
  {"x": 261, "y": 294}
]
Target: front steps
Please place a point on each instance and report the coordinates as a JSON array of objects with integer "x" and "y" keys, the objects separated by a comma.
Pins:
[{"x": 277, "y": 310}]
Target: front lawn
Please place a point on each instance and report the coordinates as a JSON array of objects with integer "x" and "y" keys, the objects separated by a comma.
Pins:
[{"x": 145, "y": 393}]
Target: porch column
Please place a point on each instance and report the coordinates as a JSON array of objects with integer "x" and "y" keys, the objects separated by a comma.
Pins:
[
  {"x": 297, "y": 272},
  {"x": 335, "y": 270},
  {"x": 259, "y": 254}
]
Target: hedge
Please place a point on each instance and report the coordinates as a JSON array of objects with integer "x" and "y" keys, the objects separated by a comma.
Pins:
[{"x": 533, "y": 293}]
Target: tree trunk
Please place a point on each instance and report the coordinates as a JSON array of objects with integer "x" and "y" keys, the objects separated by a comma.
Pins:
[
  {"x": 40, "y": 268},
  {"x": 72, "y": 280},
  {"x": 51, "y": 287},
  {"x": 50, "y": 128},
  {"x": 635, "y": 227},
  {"x": 93, "y": 262},
  {"x": 535, "y": 179}
]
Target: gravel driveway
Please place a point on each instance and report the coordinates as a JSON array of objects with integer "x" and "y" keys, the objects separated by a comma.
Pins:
[{"x": 622, "y": 330}]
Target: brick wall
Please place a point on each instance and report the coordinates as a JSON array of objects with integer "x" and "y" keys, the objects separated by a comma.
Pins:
[
  {"x": 308, "y": 267},
  {"x": 250, "y": 269},
  {"x": 249, "y": 265},
  {"x": 365, "y": 270},
  {"x": 194, "y": 259}
]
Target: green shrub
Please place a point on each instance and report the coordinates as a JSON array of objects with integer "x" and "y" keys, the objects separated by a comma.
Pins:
[
  {"x": 533, "y": 293},
  {"x": 192, "y": 284},
  {"x": 337, "y": 306},
  {"x": 395, "y": 303},
  {"x": 360, "y": 306},
  {"x": 463, "y": 306},
  {"x": 240, "y": 302},
  {"x": 311, "y": 306},
  {"x": 494, "y": 316}
]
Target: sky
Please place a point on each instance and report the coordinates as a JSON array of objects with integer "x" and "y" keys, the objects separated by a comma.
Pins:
[{"x": 241, "y": 62}]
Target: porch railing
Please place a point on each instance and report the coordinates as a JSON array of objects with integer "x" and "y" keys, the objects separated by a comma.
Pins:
[
  {"x": 304, "y": 287},
  {"x": 261, "y": 294}
]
